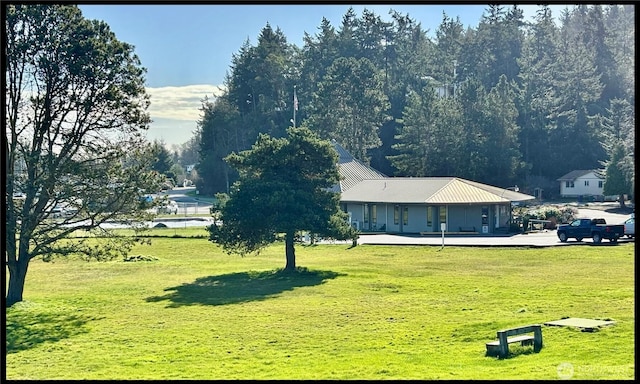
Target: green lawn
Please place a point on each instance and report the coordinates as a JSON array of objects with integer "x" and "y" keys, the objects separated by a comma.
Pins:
[{"x": 370, "y": 312}]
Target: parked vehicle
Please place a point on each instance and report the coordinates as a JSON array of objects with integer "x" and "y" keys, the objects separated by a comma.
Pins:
[
  {"x": 596, "y": 229},
  {"x": 630, "y": 226},
  {"x": 171, "y": 207},
  {"x": 58, "y": 212}
]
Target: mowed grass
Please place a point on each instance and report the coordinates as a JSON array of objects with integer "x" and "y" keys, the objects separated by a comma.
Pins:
[{"x": 369, "y": 312}]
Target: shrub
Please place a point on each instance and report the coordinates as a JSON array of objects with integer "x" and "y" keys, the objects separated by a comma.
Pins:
[
  {"x": 567, "y": 214},
  {"x": 554, "y": 214}
]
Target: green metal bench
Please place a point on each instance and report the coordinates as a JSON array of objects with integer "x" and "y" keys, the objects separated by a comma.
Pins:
[{"x": 500, "y": 347}]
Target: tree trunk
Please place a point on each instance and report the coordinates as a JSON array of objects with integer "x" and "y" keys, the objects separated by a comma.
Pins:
[
  {"x": 17, "y": 277},
  {"x": 621, "y": 200},
  {"x": 290, "y": 252}
]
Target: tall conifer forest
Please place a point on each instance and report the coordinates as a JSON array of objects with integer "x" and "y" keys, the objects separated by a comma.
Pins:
[{"x": 510, "y": 102}]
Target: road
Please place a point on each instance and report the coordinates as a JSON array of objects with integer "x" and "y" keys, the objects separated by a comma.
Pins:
[
  {"x": 188, "y": 204},
  {"x": 610, "y": 218},
  {"x": 190, "y": 211}
]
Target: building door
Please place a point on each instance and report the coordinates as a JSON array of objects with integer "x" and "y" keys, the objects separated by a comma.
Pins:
[
  {"x": 365, "y": 219},
  {"x": 373, "y": 214},
  {"x": 401, "y": 216},
  {"x": 485, "y": 219},
  {"x": 442, "y": 216}
]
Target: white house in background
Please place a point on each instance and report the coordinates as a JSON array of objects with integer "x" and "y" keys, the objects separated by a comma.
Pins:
[{"x": 582, "y": 183}]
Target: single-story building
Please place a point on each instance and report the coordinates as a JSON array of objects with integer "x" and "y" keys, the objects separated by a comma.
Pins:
[
  {"x": 582, "y": 183},
  {"x": 377, "y": 203}
]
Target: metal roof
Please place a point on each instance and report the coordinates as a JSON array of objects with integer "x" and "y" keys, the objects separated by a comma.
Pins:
[
  {"x": 353, "y": 171},
  {"x": 579, "y": 173},
  {"x": 361, "y": 183},
  {"x": 429, "y": 190}
]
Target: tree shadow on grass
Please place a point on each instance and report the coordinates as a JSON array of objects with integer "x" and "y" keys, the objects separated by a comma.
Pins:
[
  {"x": 241, "y": 287},
  {"x": 26, "y": 329}
]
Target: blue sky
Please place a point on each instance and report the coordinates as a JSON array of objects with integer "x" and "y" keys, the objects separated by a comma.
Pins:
[{"x": 187, "y": 48}]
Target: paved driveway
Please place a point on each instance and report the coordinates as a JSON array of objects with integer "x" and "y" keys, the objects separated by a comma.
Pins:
[{"x": 547, "y": 238}]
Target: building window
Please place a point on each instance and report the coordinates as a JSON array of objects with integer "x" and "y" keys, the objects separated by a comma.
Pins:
[
  {"x": 366, "y": 213},
  {"x": 600, "y": 184},
  {"x": 405, "y": 215},
  {"x": 374, "y": 215},
  {"x": 568, "y": 184},
  {"x": 429, "y": 217},
  {"x": 396, "y": 215},
  {"x": 586, "y": 183},
  {"x": 443, "y": 214}
]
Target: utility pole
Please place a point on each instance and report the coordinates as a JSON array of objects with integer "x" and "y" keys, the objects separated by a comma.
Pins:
[
  {"x": 455, "y": 64},
  {"x": 295, "y": 106}
]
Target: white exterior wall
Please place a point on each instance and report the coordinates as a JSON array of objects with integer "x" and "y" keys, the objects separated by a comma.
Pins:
[{"x": 580, "y": 188}]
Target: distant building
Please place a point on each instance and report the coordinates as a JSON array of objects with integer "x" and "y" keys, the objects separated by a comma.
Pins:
[
  {"x": 582, "y": 183},
  {"x": 378, "y": 203}
]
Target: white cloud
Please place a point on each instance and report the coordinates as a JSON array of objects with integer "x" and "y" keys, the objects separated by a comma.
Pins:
[
  {"x": 175, "y": 111},
  {"x": 180, "y": 103}
]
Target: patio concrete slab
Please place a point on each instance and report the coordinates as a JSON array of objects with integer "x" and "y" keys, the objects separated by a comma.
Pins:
[{"x": 578, "y": 322}]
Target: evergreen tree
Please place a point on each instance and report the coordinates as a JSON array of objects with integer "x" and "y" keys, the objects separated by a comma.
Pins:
[
  {"x": 284, "y": 188},
  {"x": 618, "y": 129},
  {"x": 449, "y": 40},
  {"x": 261, "y": 84},
  {"x": 578, "y": 88},
  {"x": 220, "y": 133},
  {"x": 536, "y": 97},
  {"x": 347, "y": 43},
  {"x": 163, "y": 160},
  {"x": 595, "y": 36},
  {"x": 429, "y": 142},
  {"x": 471, "y": 94},
  {"x": 350, "y": 106},
  {"x": 406, "y": 53},
  {"x": 501, "y": 132},
  {"x": 615, "y": 181},
  {"x": 318, "y": 53},
  {"x": 417, "y": 140},
  {"x": 620, "y": 39}
]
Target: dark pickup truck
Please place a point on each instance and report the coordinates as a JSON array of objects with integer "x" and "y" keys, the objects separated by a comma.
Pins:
[{"x": 597, "y": 229}]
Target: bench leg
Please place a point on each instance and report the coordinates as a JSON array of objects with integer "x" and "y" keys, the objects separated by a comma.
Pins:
[
  {"x": 504, "y": 345},
  {"x": 537, "y": 339},
  {"x": 493, "y": 350}
]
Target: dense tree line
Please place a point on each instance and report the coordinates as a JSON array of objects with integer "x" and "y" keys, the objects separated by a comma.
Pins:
[{"x": 509, "y": 102}]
